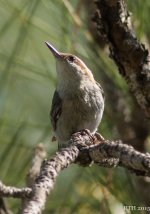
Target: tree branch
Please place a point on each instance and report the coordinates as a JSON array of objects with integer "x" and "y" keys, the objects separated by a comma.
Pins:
[
  {"x": 129, "y": 54},
  {"x": 45, "y": 181},
  {"x": 39, "y": 154},
  {"x": 123, "y": 155},
  {"x": 82, "y": 149},
  {"x": 3, "y": 207},
  {"x": 106, "y": 153},
  {"x": 9, "y": 191}
]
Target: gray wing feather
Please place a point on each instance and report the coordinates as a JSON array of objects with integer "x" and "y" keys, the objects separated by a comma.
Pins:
[{"x": 55, "y": 109}]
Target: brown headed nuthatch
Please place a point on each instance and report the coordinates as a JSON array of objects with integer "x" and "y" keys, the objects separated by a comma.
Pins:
[{"x": 78, "y": 101}]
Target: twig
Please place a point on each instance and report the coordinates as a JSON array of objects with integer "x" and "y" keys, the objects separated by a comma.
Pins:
[{"x": 9, "y": 191}]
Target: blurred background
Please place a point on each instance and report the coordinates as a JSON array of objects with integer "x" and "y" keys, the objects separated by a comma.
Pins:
[{"x": 27, "y": 83}]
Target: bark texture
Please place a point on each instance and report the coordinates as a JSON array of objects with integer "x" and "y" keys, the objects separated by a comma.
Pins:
[
  {"x": 9, "y": 191},
  {"x": 85, "y": 149},
  {"x": 46, "y": 179},
  {"x": 131, "y": 57}
]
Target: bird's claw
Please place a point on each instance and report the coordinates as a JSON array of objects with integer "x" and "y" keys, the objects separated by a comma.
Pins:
[{"x": 99, "y": 137}]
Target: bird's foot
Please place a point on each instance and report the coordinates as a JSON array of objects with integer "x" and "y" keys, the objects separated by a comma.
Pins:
[
  {"x": 83, "y": 140},
  {"x": 98, "y": 138}
]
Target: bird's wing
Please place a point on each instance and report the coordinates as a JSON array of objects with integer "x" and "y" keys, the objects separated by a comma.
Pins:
[{"x": 55, "y": 109}]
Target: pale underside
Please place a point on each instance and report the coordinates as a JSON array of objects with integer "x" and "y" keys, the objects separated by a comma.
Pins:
[{"x": 76, "y": 112}]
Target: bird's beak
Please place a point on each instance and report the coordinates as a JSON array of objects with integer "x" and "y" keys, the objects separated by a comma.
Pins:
[{"x": 53, "y": 50}]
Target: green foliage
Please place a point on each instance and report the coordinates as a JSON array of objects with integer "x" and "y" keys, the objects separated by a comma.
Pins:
[
  {"x": 140, "y": 15},
  {"x": 27, "y": 82}
]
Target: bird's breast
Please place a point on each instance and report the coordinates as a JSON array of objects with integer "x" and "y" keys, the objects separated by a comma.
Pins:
[
  {"x": 84, "y": 103},
  {"x": 82, "y": 109}
]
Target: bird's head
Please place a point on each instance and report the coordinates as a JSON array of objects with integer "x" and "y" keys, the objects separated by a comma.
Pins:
[{"x": 70, "y": 68}]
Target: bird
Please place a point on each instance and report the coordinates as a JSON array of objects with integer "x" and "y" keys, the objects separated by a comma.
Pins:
[{"x": 78, "y": 101}]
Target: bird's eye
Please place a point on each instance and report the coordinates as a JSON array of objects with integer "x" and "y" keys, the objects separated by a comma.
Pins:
[{"x": 71, "y": 58}]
